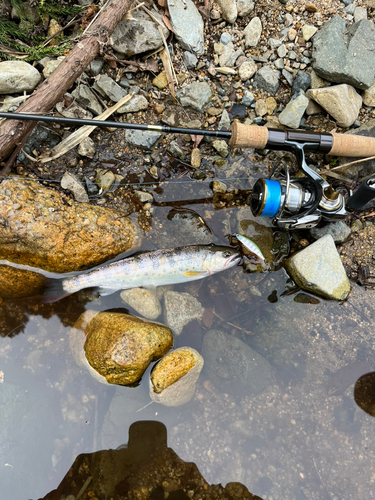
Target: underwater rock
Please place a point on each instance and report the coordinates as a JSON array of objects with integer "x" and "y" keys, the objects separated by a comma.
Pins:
[
  {"x": 117, "y": 348},
  {"x": 261, "y": 235},
  {"x": 173, "y": 378},
  {"x": 180, "y": 309},
  {"x": 234, "y": 366},
  {"x": 42, "y": 229},
  {"x": 183, "y": 227},
  {"x": 143, "y": 301},
  {"x": 318, "y": 269}
]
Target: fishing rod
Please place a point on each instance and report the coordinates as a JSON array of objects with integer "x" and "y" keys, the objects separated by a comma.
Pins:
[{"x": 292, "y": 203}]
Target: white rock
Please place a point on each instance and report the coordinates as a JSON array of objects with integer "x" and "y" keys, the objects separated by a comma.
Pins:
[
  {"x": 341, "y": 101},
  {"x": 247, "y": 70},
  {"x": 253, "y": 32},
  {"x": 244, "y": 7},
  {"x": 17, "y": 76},
  {"x": 308, "y": 32},
  {"x": 228, "y": 9}
]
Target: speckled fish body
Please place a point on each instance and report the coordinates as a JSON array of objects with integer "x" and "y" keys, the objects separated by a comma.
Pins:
[
  {"x": 250, "y": 245},
  {"x": 150, "y": 269}
]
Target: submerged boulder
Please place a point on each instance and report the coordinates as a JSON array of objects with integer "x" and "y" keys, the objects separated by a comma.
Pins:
[
  {"x": 117, "y": 348},
  {"x": 43, "y": 229}
]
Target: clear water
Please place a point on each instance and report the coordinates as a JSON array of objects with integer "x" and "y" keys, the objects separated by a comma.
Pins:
[{"x": 303, "y": 437}]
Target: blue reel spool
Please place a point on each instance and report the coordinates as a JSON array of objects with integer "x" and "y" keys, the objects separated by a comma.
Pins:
[{"x": 266, "y": 198}]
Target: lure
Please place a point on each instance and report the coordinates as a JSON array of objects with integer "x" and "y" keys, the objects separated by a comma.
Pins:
[{"x": 250, "y": 245}]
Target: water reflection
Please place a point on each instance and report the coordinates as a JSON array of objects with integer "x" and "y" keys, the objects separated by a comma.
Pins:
[
  {"x": 144, "y": 469},
  {"x": 364, "y": 393}
]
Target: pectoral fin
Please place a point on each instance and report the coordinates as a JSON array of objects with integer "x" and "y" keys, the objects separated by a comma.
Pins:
[{"x": 194, "y": 273}]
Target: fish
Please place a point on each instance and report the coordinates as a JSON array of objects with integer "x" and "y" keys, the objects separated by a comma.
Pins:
[
  {"x": 147, "y": 270},
  {"x": 250, "y": 245}
]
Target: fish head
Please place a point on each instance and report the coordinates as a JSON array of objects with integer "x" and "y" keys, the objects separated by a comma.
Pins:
[{"x": 221, "y": 257}]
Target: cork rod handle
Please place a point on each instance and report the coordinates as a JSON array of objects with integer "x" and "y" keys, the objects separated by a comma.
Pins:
[
  {"x": 248, "y": 136},
  {"x": 352, "y": 145}
]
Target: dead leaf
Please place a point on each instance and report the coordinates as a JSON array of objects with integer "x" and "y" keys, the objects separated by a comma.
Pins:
[
  {"x": 163, "y": 3},
  {"x": 197, "y": 139},
  {"x": 167, "y": 22}
]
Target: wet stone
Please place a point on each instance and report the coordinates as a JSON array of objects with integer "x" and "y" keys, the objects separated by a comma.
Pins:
[
  {"x": 143, "y": 301},
  {"x": 43, "y": 230},
  {"x": 117, "y": 348},
  {"x": 180, "y": 309},
  {"x": 221, "y": 147},
  {"x": 173, "y": 378},
  {"x": 72, "y": 183}
]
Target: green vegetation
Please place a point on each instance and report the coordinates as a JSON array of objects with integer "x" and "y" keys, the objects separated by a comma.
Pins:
[{"x": 23, "y": 39}]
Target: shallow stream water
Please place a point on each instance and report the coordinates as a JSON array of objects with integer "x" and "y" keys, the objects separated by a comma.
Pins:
[{"x": 303, "y": 437}]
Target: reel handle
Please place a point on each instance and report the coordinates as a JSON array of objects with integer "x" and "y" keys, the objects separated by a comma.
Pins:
[
  {"x": 250, "y": 136},
  {"x": 363, "y": 195}
]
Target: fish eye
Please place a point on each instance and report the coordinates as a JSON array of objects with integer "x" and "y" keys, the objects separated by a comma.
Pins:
[{"x": 227, "y": 254}]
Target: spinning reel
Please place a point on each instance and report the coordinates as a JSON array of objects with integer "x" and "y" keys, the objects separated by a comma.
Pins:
[{"x": 301, "y": 203}]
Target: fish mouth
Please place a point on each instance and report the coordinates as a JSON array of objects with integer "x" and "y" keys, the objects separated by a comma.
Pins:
[{"x": 233, "y": 261}]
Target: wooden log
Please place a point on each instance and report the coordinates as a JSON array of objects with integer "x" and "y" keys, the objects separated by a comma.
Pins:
[{"x": 51, "y": 91}]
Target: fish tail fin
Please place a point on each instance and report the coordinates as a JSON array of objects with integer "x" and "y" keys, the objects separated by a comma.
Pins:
[{"x": 54, "y": 291}]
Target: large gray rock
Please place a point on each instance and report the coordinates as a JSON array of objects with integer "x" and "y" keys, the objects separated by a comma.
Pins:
[
  {"x": 345, "y": 55},
  {"x": 341, "y": 101},
  {"x": 196, "y": 95},
  {"x": 233, "y": 366},
  {"x": 267, "y": 79},
  {"x": 17, "y": 76},
  {"x": 293, "y": 112},
  {"x": 318, "y": 269},
  {"x": 141, "y": 139},
  {"x": 187, "y": 24},
  {"x": 141, "y": 34}
]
